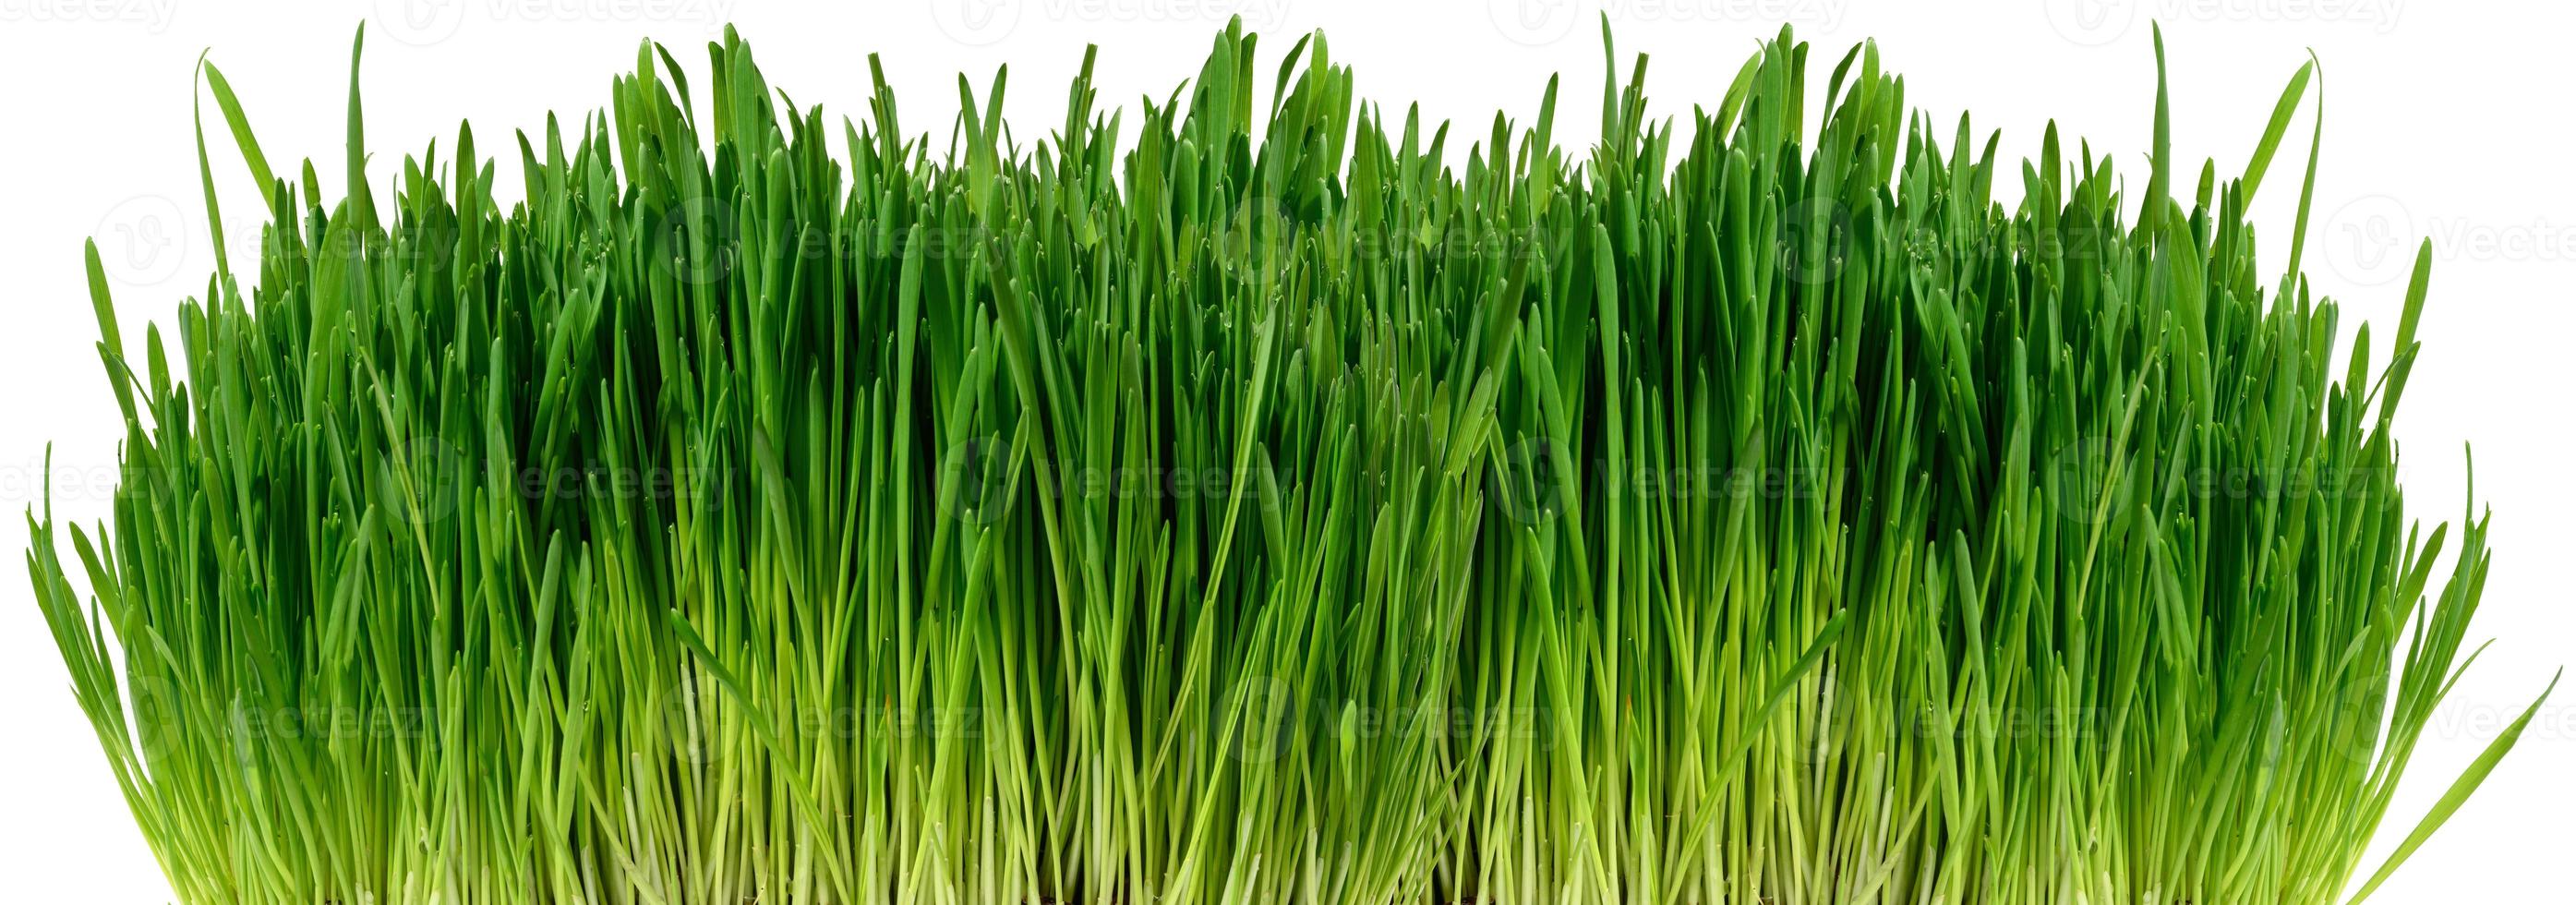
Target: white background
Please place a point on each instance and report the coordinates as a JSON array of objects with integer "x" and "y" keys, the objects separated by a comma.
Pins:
[{"x": 2447, "y": 120}]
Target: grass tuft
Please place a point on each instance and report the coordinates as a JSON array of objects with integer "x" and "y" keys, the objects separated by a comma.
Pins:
[{"x": 1260, "y": 509}]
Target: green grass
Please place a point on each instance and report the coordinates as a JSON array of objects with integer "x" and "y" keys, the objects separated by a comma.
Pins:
[{"x": 776, "y": 507}]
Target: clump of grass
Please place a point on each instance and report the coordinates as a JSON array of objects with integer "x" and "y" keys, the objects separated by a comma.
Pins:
[{"x": 1261, "y": 510}]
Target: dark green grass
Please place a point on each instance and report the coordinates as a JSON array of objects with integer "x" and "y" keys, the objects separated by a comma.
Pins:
[{"x": 780, "y": 508}]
